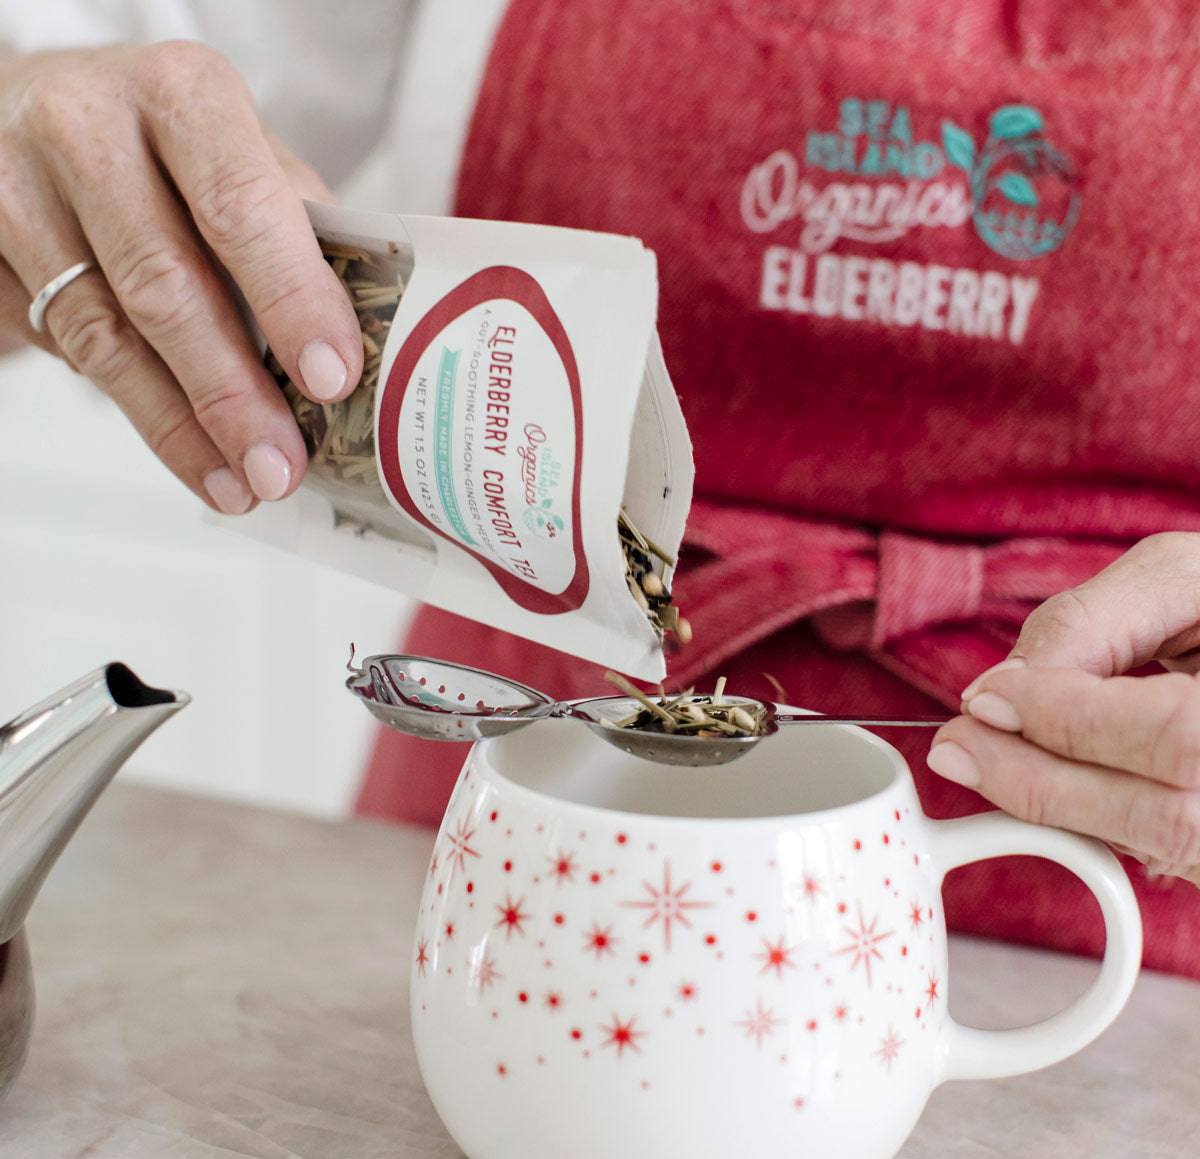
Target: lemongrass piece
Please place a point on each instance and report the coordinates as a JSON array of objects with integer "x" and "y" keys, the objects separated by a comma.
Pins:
[{"x": 620, "y": 681}]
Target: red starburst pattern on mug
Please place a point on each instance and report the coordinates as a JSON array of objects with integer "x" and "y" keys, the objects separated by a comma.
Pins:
[
  {"x": 511, "y": 916},
  {"x": 563, "y": 866},
  {"x": 864, "y": 943},
  {"x": 808, "y": 887},
  {"x": 750, "y": 925},
  {"x": 667, "y": 905},
  {"x": 483, "y": 969},
  {"x": 931, "y": 990},
  {"x": 601, "y": 941},
  {"x": 622, "y": 1035},
  {"x": 759, "y": 1023},
  {"x": 775, "y": 957},
  {"x": 460, "y": 848},
  {"x": 915, "y": 915},
  {"x": 889, "y": 1047}
]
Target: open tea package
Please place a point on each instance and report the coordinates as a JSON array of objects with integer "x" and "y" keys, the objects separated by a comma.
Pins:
[{"x": 515, "y": 451}]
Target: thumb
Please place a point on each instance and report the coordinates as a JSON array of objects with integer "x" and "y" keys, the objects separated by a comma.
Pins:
[{"x": 1144, "y": 606}]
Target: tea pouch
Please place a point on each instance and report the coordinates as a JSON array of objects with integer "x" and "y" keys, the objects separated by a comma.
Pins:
[{"x": 514, "y": 407}]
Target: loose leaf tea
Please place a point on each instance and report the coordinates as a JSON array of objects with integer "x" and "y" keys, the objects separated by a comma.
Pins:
[
  {"x": 645, "y": 583},
  {"x": 340, "y": 436},
  {"x": 690, "y": 714}
]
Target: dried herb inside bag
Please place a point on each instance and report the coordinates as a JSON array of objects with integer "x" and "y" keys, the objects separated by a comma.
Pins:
[{"x": 340, "y": 436}]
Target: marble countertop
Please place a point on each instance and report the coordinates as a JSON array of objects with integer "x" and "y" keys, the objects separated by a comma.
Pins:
[{"x": 218, "y": 981}]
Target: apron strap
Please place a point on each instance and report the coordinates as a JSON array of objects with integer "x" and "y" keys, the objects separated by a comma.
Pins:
[{"x": 931, "y": 610}]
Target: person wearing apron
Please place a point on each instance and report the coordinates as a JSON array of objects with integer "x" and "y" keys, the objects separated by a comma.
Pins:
[{"x": 925, "y": 285}]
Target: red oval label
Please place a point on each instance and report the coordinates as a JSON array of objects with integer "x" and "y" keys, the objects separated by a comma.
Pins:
[{"x": 511, "y": 544}]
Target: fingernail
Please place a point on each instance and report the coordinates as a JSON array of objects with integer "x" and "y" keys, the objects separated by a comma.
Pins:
[
  {"x": 953, "y": 762},
  {"x": 268, "y": 471},
  {"x": 322, "y": 369},
  {"x": 994, "y": 710},
  {"x": 227, "y": 491},
  {"x": 1011, "y": 662}
]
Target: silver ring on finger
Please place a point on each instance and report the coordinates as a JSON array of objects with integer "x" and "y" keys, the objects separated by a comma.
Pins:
[{"x": 46, "y": 295}]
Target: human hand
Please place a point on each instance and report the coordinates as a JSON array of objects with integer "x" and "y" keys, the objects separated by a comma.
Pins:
[
  {"x": 1056, "y": 734},
  {"x": 152, "y": 161}
]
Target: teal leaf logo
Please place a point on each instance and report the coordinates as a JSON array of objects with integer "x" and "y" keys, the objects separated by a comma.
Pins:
[
  {"x": 1018, "y": 189},
  {"x": 960, "y": 146},
  {"x": 1015, "y": 121}
]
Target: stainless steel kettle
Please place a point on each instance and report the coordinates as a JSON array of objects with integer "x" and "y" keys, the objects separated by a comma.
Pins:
[{"x": 55, "y": 760}]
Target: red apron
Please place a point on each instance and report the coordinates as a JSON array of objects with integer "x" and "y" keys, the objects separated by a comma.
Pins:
[{"x": 927, "y": 275}]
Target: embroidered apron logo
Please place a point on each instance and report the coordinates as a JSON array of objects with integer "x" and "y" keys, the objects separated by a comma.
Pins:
[
  {"x": 1016, "y": 169},
  {"x": 1019, "y": 192}
]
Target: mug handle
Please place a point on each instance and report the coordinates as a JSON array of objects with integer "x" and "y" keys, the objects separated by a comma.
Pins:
[{"x": 984, "y": 1054}]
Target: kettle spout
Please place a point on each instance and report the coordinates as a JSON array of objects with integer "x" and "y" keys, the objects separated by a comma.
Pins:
[{"x": 55, "y": 760}]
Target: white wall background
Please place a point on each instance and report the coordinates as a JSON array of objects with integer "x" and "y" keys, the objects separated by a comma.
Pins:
[{"x": 105, "y": 556}]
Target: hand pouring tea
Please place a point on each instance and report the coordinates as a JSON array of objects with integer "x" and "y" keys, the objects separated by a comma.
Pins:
[
  {"x": 440, "y": 700},
  {"x": 55, "y": 759}
]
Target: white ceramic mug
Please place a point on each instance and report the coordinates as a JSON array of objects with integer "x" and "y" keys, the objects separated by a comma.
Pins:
[{"x": 615, "y": 958}]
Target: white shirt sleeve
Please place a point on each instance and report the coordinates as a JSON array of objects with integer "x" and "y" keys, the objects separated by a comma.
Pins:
[
  {"x": 415, "y": 167},
  {"x": 375, "y": 94},
  {"x": 46, "y": 24}
]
